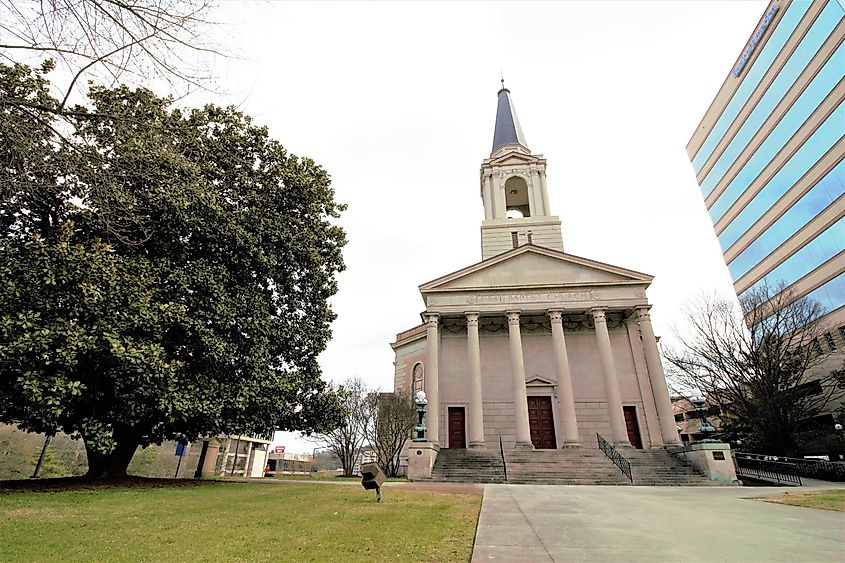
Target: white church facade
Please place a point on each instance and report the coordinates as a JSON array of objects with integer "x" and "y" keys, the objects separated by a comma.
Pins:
[{"x": 532, "y": 347}]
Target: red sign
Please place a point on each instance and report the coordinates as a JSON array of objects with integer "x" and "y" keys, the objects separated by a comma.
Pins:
[{"x": 279, "y": 450}]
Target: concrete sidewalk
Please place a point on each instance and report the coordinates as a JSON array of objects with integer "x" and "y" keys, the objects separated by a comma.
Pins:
[{"x": 581, "y": 523}]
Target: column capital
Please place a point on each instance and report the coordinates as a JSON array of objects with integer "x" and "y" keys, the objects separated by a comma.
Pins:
[
  {"x": 431, "y": 319},
  {"x": 513, "y": 317},
  {"x": 598, "y": 313},
  {"x": 556, "y": 316},
  {"x": 472, "y": 318},
  {"x": 642, "y": 312}
]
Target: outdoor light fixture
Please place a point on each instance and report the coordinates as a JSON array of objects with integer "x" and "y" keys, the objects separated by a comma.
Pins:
[
  {"x": 421, "y": 403},
  {"x": 706, "y": 429}
]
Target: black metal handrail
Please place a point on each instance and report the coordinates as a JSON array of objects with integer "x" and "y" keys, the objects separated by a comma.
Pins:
[
  {"x": 504, "y": 463},
  {"x": 618, "y": 460},
  {"x": 810, "y": 468},
  {"x": 750, "y": 465}
]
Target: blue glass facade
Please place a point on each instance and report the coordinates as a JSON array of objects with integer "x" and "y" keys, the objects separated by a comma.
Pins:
[
  {"x": 780, "y": 184},
  {"x": 752, "y": 78},
  {"x": 823, "y": 194},
  {"x": 784, "y": 80}
]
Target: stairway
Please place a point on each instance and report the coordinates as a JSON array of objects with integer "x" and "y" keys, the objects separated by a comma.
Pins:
[
  {"x": 571, "y": 466},
  {"x": 659, "y": 467},
  {"x": 468, "y": 466}
]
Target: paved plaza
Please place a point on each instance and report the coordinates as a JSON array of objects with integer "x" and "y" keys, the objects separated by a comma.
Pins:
[{"x": 528, "y": 523}]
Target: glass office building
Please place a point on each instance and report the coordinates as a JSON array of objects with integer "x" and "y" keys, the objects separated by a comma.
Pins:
[{"x": 768, "y": 156}]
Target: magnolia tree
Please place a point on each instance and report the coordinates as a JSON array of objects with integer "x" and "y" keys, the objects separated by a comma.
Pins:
[
  {"x": 761, "y": 362},
  {"x": 165, "y": 273}
]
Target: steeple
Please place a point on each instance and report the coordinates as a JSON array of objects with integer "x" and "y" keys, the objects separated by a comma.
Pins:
[
  {"x": 513, "y": 190},
  {"x": 508, "y": 131}
]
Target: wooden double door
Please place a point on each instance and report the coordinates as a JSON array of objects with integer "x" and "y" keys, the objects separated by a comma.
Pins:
[{"x": 541, "y": 422}]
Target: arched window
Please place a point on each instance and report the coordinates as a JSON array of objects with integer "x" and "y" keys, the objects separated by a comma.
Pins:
[
  {"x": 418, "y": 378},
  {"x": 516, "y": 198}
]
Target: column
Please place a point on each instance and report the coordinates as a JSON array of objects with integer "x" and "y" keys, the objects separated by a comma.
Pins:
[
  {"x": 618, "y": 433},
  {"x": 520, "y": 397},
  {"x": 432, "y": 358},
  {"x": 533, "y": 211},
  {"x": 500, "y": 210},
  {"x": 545, "y": 192},
  {"x": 534, "y": 186},
  {"x": 564, "y": 379},
  {"x": 476, "y": 410},
  {"x": 487, "y": 195},
  {"x": 668, "y": 430}
]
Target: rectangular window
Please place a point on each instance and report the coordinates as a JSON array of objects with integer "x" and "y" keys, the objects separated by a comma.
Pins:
[
  {"x": 817, "y": 348},
  {"x": 830, "y": 343},
  {"x": 807, "y": 389}
]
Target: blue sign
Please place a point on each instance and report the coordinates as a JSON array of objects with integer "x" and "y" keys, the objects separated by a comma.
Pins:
[
  {"x": 181, "y": 449},
  {"x": 767, "y": 19}
]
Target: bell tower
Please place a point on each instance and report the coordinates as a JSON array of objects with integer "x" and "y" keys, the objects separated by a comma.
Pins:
[{"x": 513, "y": 190}]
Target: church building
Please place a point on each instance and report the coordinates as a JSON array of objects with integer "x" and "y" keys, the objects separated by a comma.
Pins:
[{"x": 532, "y": 347}]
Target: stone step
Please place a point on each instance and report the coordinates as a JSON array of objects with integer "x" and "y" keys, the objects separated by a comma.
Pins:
[{"x": 571, "y": 466}]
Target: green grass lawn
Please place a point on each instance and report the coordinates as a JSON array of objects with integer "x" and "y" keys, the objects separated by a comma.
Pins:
[
  {"x": 827, "y": 500},
  {"x": 237, "y": 522}
]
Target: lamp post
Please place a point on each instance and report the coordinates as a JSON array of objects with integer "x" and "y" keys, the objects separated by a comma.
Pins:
[
  {"x": 706, "y": 429},
  {"x": 421, "y": 403}
]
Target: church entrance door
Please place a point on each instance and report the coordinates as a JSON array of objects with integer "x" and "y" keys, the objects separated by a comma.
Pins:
[
  {"x": 633, "y": 427},
  {"x": 541, "y": 422},
  {"x": 457, "y": 428}
]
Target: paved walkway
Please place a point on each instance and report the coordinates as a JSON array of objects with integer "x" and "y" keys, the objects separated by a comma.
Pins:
[{"x": 528, "y": 523}]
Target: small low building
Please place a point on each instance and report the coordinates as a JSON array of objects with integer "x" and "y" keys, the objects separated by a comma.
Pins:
[
  {"x": 286, "y": 463},
  {"x": 234, "y": 455}
]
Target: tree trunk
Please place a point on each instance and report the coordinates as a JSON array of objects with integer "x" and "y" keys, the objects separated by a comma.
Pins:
[{"x": 112, "y": 465}]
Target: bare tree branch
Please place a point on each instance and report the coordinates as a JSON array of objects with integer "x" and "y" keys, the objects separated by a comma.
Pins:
[
  {"x": 761, "y": 362},
  {"x": 147, "y": 39}
]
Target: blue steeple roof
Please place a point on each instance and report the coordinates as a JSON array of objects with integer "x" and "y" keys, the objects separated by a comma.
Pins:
[{"x": 508, "y": 131}]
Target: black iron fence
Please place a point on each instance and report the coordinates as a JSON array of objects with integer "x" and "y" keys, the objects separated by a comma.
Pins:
[
  {"x": 623, "y": 464},
  {"x": 754, "y": 466},
  {"x": 809, "y": 468}
]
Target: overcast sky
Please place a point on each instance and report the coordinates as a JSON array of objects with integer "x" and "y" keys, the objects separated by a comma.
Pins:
[{"x": 397, "y": 101}]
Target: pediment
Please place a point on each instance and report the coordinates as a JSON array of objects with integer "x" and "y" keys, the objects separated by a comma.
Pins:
[
  {"x": 534, "y": 266},
  {"x": 539, "y": 381},
  {"x": 513, "y": 159}
]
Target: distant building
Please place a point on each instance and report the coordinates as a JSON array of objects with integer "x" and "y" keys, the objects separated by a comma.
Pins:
[
  {"x": 367, "y": 455},
  {"x": 688, "y": 420},
  {"x": 286, "y": 463}
]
